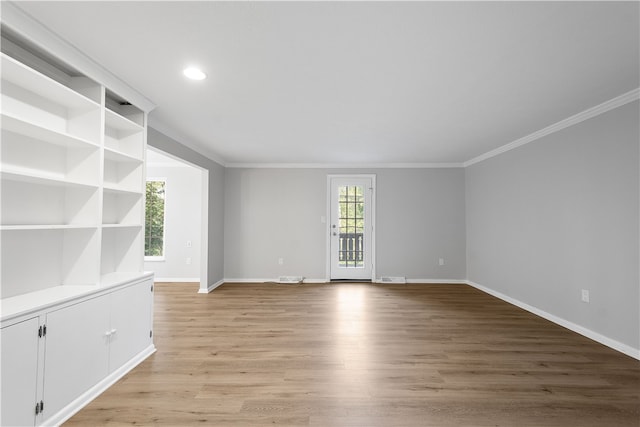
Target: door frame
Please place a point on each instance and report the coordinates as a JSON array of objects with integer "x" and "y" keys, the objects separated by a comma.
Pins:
[
  {"x": 373, "y": 221},
  {"x": 204, "y": 218}
]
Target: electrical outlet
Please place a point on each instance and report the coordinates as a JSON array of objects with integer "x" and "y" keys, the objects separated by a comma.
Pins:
[
  {"x": 280, "y": 261},
  {"x": 585, "y": 295},
  {"x": 188, "y": 260},
  {"x": 441, "y": 261}
]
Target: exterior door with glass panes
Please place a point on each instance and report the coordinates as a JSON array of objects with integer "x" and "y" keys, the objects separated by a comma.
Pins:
[{"x": 351, "y": 227}]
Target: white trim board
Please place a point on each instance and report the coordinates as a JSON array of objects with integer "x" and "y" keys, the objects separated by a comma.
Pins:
[
  {"x": 327, "y": 281},
  {"x": 88, "y": 396},
  {"x": 345, "y": 165},
  {"x": 270, "y": 280},
  {"x": 249, "y": 280},
  {"x": 589, "y": 113},
  {"x": 602, "y": 108},
  {"x": 437, "y": 281},
  {"x": 611, "y": 343},
  {"x": 25, "y": 25},
  {"x": 211, "y": 287},
  {"x": 379, "y": 281}
]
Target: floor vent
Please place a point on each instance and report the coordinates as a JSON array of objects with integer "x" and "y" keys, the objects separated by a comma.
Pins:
[
  {"x": 389, "y": 279},
  {"x": 290, "y": 279}
]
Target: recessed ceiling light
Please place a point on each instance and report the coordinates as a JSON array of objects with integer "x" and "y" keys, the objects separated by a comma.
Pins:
[{"x": 194, "y": 73}]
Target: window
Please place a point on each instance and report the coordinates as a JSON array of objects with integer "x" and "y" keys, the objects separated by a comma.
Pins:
[
  {"x": 351, "y": 205},
  {"x": 154, "y": 220}
]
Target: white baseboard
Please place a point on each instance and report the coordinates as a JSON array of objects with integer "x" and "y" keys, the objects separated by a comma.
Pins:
[
  {"x": 260, "y": 280},
  {"x": 315, "y": 281},
  {"x": 311, "y": 280},
  {"x": 438, "y": 281},
  {"x": 83, "y": 400},
  {"x": 609, "y": 342},
  {"x": 269, "y": 280},
  {"x": 177, "y": 279},
  {"x": 211, "y": 287}
]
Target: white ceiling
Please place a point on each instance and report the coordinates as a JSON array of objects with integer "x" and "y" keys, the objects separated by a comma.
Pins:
[{"x": 358, "y": 82}]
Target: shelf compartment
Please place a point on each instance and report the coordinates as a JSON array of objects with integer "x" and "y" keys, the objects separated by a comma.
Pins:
[
  {"x": 120, "y": 208},
  {"x": 122, "y": 250},
  {"x": 123, "y": 135},
  {"x": 67, "y": 159},
  {"x": 32, "y": 130},
  {"x": 120, "y": 123},
  {"x": 122, "y": 175},
  {"x": 121, "y": 107},
  {"x": 117, "y": 156},
  {"x": 111, "y": 189},
  {"x": 26, "y": 77},
  {"x": 33, "y": 260},
  {"x": 33, "y": 97},
  {"x": 33, "y": 201},
  {"x": 23, "y": 174}
]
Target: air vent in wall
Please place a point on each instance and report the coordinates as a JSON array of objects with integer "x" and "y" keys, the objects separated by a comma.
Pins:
[
  {"x": 390, "y": 279},
  {"x": 290, "y": 279}
]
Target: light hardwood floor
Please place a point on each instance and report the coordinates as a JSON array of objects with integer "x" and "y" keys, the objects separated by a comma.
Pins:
[{"x": 365, "y": 355}]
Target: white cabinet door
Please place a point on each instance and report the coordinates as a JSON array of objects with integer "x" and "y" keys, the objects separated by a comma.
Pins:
[
  {"x": 76, "y": 353},
  {"x": 19, "y": 366},
  {"x": 131, "y": 322}
]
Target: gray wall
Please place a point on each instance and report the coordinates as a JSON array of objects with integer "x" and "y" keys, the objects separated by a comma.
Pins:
[
  {"x": 216, "y": 198},
  {"x": 275, "y": 213},
  {"x": 183, "y": 214},
  {"x": 559, "y": 215}
]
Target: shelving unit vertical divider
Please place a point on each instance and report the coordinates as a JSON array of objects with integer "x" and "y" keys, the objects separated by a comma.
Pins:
[{"x": 98, "y": 260}]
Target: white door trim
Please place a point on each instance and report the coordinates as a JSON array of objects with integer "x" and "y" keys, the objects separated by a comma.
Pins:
[
  {"x": 372, "y": 177},
  {"x": 204, "y": 218}
]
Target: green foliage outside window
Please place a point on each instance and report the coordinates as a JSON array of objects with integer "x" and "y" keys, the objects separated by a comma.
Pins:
[{"x": 154, "y": 219}]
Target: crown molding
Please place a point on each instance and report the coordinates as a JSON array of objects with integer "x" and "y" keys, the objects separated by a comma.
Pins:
[
  {"x": 614, "y": 103},
  {"x": 606, "y": 106},
  {"x": 19, "y": 21},
  {"x": 168, "y": 165},
  {"x": 33, "y": 31},
  {"x": 345, "y": 165}
]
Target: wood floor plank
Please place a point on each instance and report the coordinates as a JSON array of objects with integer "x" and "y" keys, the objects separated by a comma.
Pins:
[{"x": 365, "y": 355}]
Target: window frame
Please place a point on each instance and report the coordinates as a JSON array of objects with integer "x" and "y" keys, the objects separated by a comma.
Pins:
[{"x": 156, "y": 258}]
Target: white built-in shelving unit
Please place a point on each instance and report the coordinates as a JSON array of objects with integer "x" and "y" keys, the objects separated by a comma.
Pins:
[
  {"x": 72, "y": 240},
  {"x": 72, "y": 184}
]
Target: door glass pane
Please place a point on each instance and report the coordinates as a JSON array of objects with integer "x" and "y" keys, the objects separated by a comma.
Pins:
[{"x": 351, "y": 222}]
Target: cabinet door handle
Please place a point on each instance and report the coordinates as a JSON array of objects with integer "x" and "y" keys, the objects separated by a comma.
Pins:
[{"x": 113, "y": 331}]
